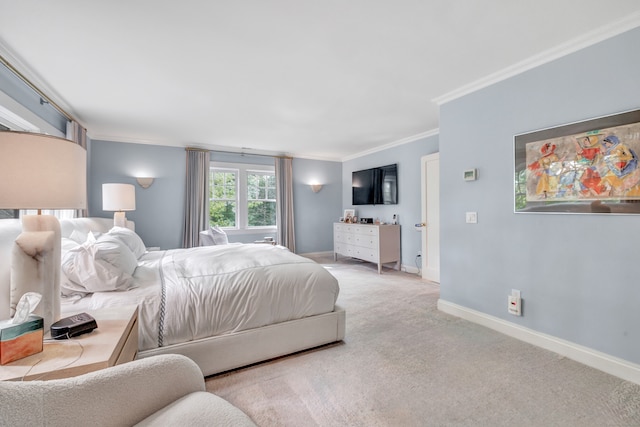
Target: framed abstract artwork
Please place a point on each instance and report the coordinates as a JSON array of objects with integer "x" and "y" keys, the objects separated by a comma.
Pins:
[{"x": 584, "y": 167}]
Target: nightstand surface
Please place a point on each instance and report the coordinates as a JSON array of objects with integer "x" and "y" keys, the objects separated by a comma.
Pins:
[{"x": 115, "y": 341}]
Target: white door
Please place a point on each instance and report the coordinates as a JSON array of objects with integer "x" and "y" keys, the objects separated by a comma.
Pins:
[{"x": 431, "y": 217}]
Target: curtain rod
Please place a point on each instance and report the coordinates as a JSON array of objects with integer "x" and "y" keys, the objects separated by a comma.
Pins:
[
  {"x": 240, "y": 153},
  {"x": 34, "y": 88}
]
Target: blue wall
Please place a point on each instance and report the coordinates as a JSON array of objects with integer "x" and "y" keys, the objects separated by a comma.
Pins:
[
  {"x": 577, "y": 273},
  {"x": 315, "y": 213},
  {"x": 159, "y": 214},
  {"x": 408, "y": 209}
]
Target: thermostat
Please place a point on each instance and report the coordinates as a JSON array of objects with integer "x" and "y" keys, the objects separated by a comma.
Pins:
[{"x": 470, "y": 175}]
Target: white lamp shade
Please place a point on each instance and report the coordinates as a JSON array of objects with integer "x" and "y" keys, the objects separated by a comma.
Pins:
[
  {"x": 41, "y": 172},
  {"x": 118, "y": 197}
]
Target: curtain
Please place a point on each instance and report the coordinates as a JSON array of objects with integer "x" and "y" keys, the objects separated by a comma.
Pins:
[
  {"x": 78, "y": 134},
  {"x": 284, "y": 202},
  {"x": 196, "y": 217}
]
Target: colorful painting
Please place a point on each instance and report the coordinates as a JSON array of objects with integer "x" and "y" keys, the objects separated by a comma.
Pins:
[{"x": 592, "y": 163}]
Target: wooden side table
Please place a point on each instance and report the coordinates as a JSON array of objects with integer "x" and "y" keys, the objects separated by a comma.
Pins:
[{"x": 115, "y": 341}]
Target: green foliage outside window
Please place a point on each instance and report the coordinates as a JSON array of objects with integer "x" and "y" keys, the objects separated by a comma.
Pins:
[
  {"x": 261, "y": 199},
  {"x": 224, "y": 199},
  {"x": 222, "y": 196}
]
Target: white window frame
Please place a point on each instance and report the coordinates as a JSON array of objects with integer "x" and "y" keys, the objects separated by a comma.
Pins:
[{"x": 242, "y": 169}]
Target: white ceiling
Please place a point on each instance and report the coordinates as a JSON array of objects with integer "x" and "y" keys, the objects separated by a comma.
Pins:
[{"x": 318, "y": 79}]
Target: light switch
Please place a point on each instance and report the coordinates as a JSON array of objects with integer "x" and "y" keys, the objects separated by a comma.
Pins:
[{"x": 472, "y": 217}]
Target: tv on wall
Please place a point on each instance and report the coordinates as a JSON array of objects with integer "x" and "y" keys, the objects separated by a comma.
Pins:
[{"x": 375, "y": 186}]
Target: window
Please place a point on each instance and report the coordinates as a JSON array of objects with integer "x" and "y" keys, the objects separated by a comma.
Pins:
[
  {"x": 223, "y": 197},
  {"x": 261, "y": 199},
  {"x": 242, "y": 196}
]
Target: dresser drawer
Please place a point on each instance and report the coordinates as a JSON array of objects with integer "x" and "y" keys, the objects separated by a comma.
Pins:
[
  {"x": 366, "y": 230},
  {"x": 365, "y": 254},
  {"x": 366, "y": 241}
]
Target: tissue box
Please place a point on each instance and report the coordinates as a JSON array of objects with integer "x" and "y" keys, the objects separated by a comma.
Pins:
[{"x": 21, "y": 340}]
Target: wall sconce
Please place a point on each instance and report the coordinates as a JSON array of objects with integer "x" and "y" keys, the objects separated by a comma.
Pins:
[
  {"x": 144, "y": 182},
  {"x": 316, "y": 187},
  {"x": 118, "y": 198}
]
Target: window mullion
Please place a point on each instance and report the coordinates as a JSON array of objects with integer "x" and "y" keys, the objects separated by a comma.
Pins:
[{"x": 242, "y": 203}]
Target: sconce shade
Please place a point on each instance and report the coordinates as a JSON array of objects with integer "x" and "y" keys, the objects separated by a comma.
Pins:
[
  {"x": 316, "y": 187},
  {"x": 144, "y": 182},
  {"x": 41, "y": 172},
  {"x": 118, "y": 197}
]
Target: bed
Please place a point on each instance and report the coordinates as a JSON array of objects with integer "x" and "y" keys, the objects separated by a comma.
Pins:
[{"x": 223, "y": 306}]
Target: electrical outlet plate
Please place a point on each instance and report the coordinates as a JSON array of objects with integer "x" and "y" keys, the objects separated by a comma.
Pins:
[
  {"x": 515, "y": 305},
  {"x": 472, "y": 217}
]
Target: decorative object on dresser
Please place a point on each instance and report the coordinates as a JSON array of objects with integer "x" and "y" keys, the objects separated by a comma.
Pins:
[
  {"x": 379, "y": 244},
  {"x": 348, "y": 215}
]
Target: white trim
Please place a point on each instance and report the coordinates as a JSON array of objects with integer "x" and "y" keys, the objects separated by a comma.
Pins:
[
  {"x": 604, "y": 362},
  {"x": 17, "y": 117},
  {"x": 611, "y": 30},
  {"x": 393, "y": 144},
  {"x": 34, "y": 79},
  {"x": 242, "y": 170},
  {"x": 409, "y": 269},
  {"x": 317, "y": 254}
]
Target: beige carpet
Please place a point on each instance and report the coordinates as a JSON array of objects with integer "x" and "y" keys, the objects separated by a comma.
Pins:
[{"x": 404, "y": 363}]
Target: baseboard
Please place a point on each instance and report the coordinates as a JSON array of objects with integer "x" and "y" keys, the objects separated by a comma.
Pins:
[
  {"x": 410, "y": 269},
  {"x": 604, "y": 362},
  {"x": 317, "y": 254}
]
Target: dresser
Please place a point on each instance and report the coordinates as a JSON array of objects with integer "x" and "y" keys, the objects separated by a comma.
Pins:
[{"x": 379, "y": 244}]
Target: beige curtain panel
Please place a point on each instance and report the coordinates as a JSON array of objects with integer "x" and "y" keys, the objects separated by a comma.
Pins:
[
  {"x": 284, "y": 202},
  {"x": 197, "y": 197}
]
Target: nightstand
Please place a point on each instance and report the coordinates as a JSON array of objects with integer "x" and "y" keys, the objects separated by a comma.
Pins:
[{"x": 115, "y": 341}]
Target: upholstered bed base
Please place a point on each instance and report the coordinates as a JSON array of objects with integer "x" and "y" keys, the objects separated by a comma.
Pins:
[
  {"x": 215, "y": 354},
  {"x": 225, "y": 352}
]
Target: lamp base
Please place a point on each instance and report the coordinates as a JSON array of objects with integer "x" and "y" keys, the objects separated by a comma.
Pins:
[
  {"x": 119, "y": 219},
  {"x": 35, "y": 265}
]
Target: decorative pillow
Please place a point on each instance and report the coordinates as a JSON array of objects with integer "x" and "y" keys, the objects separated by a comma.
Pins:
[
  {"x": 206, "y": 239},
  {"x": 129, "y": 238},
  {"x": 218, "y": 235},
  {"x": 213, "y": 236},
  {"x": 103, "y": 264}
]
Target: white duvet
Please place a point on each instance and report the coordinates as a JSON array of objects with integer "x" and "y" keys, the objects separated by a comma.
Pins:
[{"x": 188, "y": 294}]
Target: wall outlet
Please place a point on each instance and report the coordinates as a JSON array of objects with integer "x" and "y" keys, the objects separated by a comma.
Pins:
[{"x": 515, "y": 303}]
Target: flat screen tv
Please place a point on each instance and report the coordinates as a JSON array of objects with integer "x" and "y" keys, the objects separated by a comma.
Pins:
[{"x": 375, "y": 186}]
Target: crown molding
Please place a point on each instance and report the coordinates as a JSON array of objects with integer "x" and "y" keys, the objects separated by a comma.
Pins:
[
  {"x": 34, "y": 80},
  {"x": 600, "y": 34},
  {"x": 393, "y": 144}
]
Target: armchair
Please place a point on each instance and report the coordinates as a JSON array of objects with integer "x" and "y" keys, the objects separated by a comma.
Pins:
[{"x": 159, "y": 390}]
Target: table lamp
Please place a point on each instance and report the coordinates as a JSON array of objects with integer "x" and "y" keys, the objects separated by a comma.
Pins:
[
  {"x": 40, "y": 172},
  {"x": 119, "y": 198}
]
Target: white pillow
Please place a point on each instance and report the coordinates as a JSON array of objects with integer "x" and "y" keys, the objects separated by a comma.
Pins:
[
  {"x": 218, "y": 235},
  {"x": 78, "y": 237},
  {"x": 206, "y": 239},
  {"x": 105, "y": 264},
  {"x": 129, "y": 238},
  {"x": 213, "y": 236}
]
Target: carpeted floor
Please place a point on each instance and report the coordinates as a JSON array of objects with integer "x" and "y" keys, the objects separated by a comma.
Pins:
[{"x": 404, "y": 363}]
